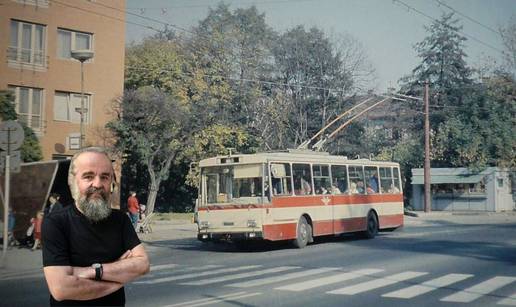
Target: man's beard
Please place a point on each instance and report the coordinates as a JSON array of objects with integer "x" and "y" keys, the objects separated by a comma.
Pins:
[{"x": 96, "y": 208}]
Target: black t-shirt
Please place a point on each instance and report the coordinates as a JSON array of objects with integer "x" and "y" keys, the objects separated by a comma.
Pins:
[{"x": 70, "y": 239}]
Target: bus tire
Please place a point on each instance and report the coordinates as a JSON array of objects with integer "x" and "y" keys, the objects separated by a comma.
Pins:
[
  {"x": 371, "y": 226},
  {"x": 303, "y": 233}
]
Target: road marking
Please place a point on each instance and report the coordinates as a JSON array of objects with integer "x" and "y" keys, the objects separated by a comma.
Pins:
[
  {"x": 270, "y": 280},
  {"x": 181, "y": 270},
  {"x": 319, "y": 282},
  {"x": 377, "y": 283},
  {"x": 186, "y": 276},
  {"x": 162, "y": 267},
  {"x": 509, "y": 301},
  {"x": 486, "y": 287},
  {"x": 238, "y": 276},
  {"x": 214, "y": 300},
  {"x": 428, "y": 286}
]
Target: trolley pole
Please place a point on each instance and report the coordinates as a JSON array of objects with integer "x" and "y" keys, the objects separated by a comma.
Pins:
[{"x": 428, "y": 199}]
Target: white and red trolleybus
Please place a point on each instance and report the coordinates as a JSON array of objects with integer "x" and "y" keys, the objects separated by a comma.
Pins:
[{"x": 296, "y": 195}]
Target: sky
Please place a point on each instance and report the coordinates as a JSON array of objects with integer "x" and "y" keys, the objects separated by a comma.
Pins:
[{"x": 387, "y": 29}]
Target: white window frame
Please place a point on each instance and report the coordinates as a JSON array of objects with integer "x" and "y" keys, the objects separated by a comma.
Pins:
[
  {"x": 73, "y": 34},
  {"x": 15, "y": 53},
  {"x": 87, "y": 105},
  {"x": 38, "y": 3},
  {"x": 29, "y": 115}
]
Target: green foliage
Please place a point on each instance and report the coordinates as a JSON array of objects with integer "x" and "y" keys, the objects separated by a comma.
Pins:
[
  {"x": 7, "y": 111},
  {"x": 30, "y": 149}
]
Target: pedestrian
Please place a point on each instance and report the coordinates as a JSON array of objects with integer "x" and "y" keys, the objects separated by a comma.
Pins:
[
  {"x": 55, "y": 205},
  {"x": 11, "y": 222},
  {"x": 37, "y": 221},
  {"x": 134, "y": 208},
  {"x": 89, "y": 249}
]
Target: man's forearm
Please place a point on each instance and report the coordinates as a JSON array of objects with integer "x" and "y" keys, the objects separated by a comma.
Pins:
[
  {"x": 125, "y": 270},
  {"x": 76, "y": 288}
]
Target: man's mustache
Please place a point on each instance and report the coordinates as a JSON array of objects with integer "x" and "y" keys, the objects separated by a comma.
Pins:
[{"x": 93, "y": 190}]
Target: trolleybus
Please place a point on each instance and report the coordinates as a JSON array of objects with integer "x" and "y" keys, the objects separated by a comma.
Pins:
[{"x": 296, "y": 195}]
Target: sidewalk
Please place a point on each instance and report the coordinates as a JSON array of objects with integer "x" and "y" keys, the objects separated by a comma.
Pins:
[
  {"x": 460, "y": 217},
  {"x": 23, "y": 262}
]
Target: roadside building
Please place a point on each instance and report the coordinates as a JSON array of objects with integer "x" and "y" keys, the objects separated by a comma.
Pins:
[
  {"x": 36, "y": 42},
  {"x": 459, "y": 189}
]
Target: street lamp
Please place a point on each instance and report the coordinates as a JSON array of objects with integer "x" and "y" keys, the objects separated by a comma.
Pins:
[{"x": 82, "y": 56}]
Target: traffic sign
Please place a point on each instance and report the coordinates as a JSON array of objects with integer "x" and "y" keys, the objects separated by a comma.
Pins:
[{"x": 11, "y": 135}]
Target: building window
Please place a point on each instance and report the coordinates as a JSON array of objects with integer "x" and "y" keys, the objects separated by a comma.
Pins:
[
  {"x": 29, "y": 103},
  {"x": 72, "y": 40},
  {"x": 68, "y": 105},
  {"x": 38, "y": 3},
  {"x": 27, "y": 43},
  {"x": 74, "y": 141}
]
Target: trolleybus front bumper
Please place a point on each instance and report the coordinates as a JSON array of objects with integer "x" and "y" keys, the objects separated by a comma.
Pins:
[{"x": 229, "y": 236}]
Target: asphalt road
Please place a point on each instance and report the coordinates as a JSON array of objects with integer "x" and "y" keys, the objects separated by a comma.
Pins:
[{"x": 441, "y": 261}]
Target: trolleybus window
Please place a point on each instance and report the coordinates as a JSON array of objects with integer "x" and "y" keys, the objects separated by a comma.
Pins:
[
  {"x": 339, "y": 179},
  {"x": 302, "y": 179},
  {"x": 218, "y": 185},
  {"x": 322, "y": 180},
  {"x": 386, "y": 180},
  {"x": 356, "y": 180},
  {"x": 396, "y": 187},
  {"x": 372, "y": 184},
  {"x": 281, "y": 179},
  {"x": 239, "y": 184}
]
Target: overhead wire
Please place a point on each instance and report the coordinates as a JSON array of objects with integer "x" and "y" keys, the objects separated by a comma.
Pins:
[
  {"x": 411, "y": 8},
  {"x": 206, "y": 75},
  {"x": 104, "y": 15},
  {"x": 467, "y": 17}
]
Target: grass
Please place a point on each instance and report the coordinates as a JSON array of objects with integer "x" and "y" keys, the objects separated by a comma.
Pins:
[{"x": 172, "y": 216}]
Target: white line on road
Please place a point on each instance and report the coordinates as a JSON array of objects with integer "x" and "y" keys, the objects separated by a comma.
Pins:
[
  {"x": 377, "y": 283},
  {"x": 213, "y": 300},
  {"x": 270, "y": 280},
  {"x": 153, "y": 275},
  {"x": 238, "y": 276},
  {"x": 319, "y": 282},
  {"x": 162, "y": 267},
  {"x": 428, "y": 286},
  {"x": 186, "y": 276},
  {"x": 486, "y": 287},
  {"x": 508, "y": 301}
]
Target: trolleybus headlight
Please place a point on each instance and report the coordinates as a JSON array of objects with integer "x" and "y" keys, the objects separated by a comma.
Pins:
[
  {"x": 204, "y": 225},
  {"x": 251, "y": 223}
]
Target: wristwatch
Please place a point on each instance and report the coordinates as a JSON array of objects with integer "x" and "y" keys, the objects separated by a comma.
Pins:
[{"x": 98, "y": 270}]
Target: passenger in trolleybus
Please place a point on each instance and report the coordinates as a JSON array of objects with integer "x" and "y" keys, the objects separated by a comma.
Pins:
[{"x": 303, "y": 187}]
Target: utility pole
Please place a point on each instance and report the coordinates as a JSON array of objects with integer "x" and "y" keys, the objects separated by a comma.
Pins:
[{"x": 428, "y": 199}]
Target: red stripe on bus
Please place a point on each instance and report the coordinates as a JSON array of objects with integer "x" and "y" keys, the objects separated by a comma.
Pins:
[
  {"x": 329, "y": 227},
  {"x": 229, "y": 207},
  {"x": 390, "y": 221},
  {"x": 306, "y": 201},
  {"x": 280, "y": 231}
]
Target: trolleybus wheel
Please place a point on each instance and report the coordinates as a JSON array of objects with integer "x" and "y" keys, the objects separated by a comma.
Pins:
[
  {"x": 371, "y": 227},
  {"x": 304, "y": 233}
]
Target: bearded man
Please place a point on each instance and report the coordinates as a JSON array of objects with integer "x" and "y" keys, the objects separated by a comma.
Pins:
[{"x": 90, "y": 250}]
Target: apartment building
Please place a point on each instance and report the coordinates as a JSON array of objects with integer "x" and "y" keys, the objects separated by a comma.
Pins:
[{"x": 37, "y": 38}]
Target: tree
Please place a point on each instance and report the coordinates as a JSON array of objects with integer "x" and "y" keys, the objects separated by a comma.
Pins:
[
  {"x": 30, "y": 149},
  {"x": 508, "y": 34},
  {"x": 443, "y": 65},
  {"x": 155, "y": 126}
]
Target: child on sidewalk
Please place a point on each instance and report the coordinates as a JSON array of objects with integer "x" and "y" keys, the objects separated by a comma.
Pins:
[{"x": 37, "y": 221}]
